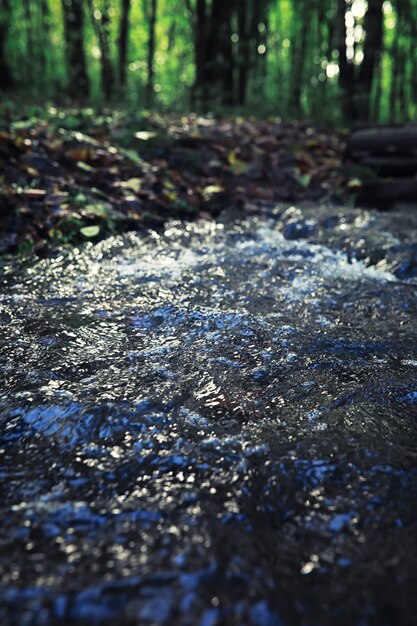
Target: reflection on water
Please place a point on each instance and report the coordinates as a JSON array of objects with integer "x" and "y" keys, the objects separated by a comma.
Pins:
[{"x": 213, "y": 425}]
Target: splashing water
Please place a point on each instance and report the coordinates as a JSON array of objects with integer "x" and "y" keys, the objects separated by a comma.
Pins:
[{"x": 212, "y": 425}]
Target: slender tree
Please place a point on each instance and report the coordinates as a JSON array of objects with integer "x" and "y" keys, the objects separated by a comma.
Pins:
[
  {"x": 299, "y": 56},
  {"x": 346, "y": 66},
  {"x": 123, "y": 40},
  {"x": 151, "y": 12},
  {"x": 200, "y": 26},
  {"x": 44, "y": 47},
  {"x": 412, "y": 54},
  {"x": 259, "y": 39},
  {"x": 6, "y": 78},
  {"x": 371, "y": 55},
  {"x": 30, "y": 48},
  {"x": 78, "y": 85},
  {"x": 224, "y": 60},
  {"x": 244, "y": 51},
  {"x": 101, "y": 23},
  {"x": 214, "y": 58}
]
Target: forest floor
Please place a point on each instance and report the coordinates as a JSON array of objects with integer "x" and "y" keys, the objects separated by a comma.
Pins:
[{"x": 69, "y": 176}]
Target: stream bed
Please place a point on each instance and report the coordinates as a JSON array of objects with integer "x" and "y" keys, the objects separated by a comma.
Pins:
[{"x": 214, "y": 425}]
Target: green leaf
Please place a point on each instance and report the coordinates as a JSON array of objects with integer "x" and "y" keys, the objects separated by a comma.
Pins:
[
  {"x": 132, "y": 155},
  {"x": 85, "y": 167},
  {"x": 98, "y": 209},
  {"x": 354, "y": 183},
  {"x": 23, "y": 124},
  {"x": 145, "y": 135},
  {"x": 90, "y": 231},
  {"x": 304, "y": 180},
  {"x": 211, "y": 190},
  {"x": 25, "y": 248},
  {"x": 134, "y": 184},
  {"x": 238, "y": 167}
]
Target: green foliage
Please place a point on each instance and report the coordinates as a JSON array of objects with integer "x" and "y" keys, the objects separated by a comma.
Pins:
[{"x": 294, "y": 68}]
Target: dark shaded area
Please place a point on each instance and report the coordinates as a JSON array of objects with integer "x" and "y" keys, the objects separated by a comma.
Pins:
[{"x": 386, "y": 161}]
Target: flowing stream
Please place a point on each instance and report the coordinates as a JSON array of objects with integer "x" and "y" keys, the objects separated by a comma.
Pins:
[{"x": 214, "y": 425}]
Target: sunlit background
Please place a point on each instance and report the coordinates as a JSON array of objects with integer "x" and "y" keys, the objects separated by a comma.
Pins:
[{"x": 288, "y": 58}]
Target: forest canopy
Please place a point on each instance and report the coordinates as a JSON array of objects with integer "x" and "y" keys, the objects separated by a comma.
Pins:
[{"x": 327, "y": 60}]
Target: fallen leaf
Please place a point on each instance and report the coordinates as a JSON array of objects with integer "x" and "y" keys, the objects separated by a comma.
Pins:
[
  {"x": 304, "y": 180},
  {"x": 90, "y": 231},
  {"x": 134, "y": 184},
  {"x": 145, "y": 135},
  {"x": 78, "y": 154},
  {"x": 85, "y": 167},
  {"x": 211, "y": 190},
  {"x": 132, "y": 155},
  {"x": 34, "y": 194},
  {"x": 238, "y": 167},
  {"x": 354, "y": 183}
]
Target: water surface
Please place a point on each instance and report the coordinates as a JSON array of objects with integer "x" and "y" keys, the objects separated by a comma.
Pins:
[{"x": 214, "y": 425}]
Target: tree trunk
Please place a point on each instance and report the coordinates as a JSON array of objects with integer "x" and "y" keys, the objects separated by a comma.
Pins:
[
  {"x": 151, "y": 55},
  {"x": 123, "y": 40},
  {"x": 372, "y": 53},
  {"x": 253, "y": 36},
  {"x": 412, "y": 53},
  {"x": 200, "y": 44},
  {"x": 402, "y": 94},
  {"x": 219, "y": 61},
  {"x": 101, "y": 26},
  {"x": 346, "y": 67},
  {"x": 30, "y": 52},
  {"x": 262, "y": 40},
  {"x": 376, "y": 109},
  {"x": 214, "y": 52},
  {"x": 44, "y": 49},
  {"x": 78, "y": 86},
  {"x": 395, "y": 77},
  {"x": 299, "y": 61},
  {"x": 226, "y": 57},
  {"x": 6, "y": 78},
  {"x": 211, "y": 74},
  {"x": 244, "y": 52}
]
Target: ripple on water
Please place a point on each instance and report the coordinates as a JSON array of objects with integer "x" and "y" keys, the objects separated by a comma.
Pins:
[{"x": 211, "y": 425}]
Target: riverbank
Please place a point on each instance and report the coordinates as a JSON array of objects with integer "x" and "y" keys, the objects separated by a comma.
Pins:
[{"x": 69, "y": 176}]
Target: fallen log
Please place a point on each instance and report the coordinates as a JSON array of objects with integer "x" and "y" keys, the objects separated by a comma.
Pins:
[
  {"x": 385, "y": 193},
  {"x": 388, "y": 155},
  {"x": 398, "y": 166},
  {"x": 383, "y": 141}
]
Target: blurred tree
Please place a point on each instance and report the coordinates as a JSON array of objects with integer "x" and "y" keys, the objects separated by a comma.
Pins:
[
  {"x": 244, "y": 51},
  {"x": 150, "y": 12},
  {"x": 200, "y": 27},
  {"x": 30, "y": 49},
  {"x": 44, "y": 49},
  {"x": 346, "y": 66},
  {"x": 372, "y": 50},
  {"x": 331, "y": 60},
  {"x": 221, "y": 58},
  {"x": 123, "y": 39},
  {"x": 258, "y": 40},
  {"x": 299, "y": 57},
  {"x": 73, "y": 15},
  {"x": 6, "y": 78},
  {"x": 101, "y": 21}
]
